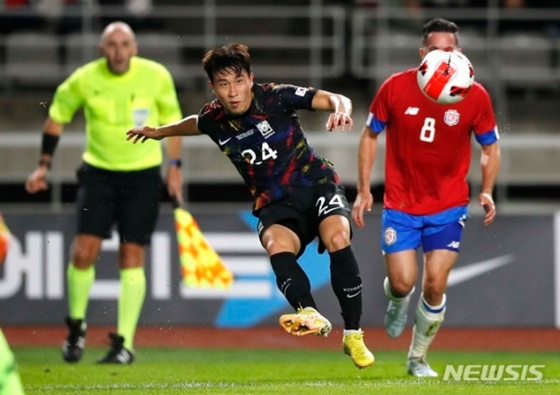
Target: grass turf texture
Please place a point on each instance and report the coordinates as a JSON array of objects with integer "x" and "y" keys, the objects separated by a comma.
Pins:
[{"x": 256, "y": 371}]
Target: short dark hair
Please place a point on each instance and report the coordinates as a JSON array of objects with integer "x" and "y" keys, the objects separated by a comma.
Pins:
[
  {"x": 440, "y": 25},
  {"x": 234, "y": 57}
]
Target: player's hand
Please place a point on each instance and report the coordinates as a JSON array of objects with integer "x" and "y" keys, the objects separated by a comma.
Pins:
[
  {"x": 489, "y": 207},
  {"x": 363, "y": 203},
  {"x": 338, "y": 121},
  {"x": 142, "y": 134},
  {"x": 36, "y": 181}
]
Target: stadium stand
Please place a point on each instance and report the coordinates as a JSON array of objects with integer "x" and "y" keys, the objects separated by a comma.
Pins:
[{"x": 333, "y": 45}]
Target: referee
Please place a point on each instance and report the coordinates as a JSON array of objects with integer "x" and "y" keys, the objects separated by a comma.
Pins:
[{"x": 117, "y": 184}]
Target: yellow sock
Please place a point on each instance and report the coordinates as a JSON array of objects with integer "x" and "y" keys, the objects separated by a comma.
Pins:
[
  {"x": 79, "y": 284},
  {"x": 131, "y": 300}
]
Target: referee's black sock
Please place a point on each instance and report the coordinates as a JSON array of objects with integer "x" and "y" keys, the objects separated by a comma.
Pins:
[
  {"x": 292, "y": 280},
  {"x": 347, "y": 286}
]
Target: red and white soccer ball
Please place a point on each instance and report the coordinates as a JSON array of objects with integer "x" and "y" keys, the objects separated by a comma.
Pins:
[{"x": 445, "y": 77}]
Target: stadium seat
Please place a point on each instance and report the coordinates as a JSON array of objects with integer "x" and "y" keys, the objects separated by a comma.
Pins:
[
  {"x": 166, "y": 48},
  {"x": 525, "y": 59},
  {"x": 398, "y": 51},
  {"x": 32, "y": 59},
  {"x": 474, "y": 45},
  {"x": 79, "y": 49}
]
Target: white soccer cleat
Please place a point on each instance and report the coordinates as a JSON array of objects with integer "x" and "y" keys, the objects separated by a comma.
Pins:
[
  {"x": 418, "y": 367},
  {"x": 396, "y": 314}
]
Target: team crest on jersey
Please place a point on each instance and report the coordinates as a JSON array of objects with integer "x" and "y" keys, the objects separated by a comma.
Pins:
[
  {"x": 301, "y": 91},
  {"x": 390, "y": 236},
  {"x": 265, "y": 129},
  {"x": 451, "y": 117}
]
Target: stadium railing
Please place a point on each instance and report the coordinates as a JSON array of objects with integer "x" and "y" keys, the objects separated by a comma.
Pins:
[{"x": 527, "y": 160}]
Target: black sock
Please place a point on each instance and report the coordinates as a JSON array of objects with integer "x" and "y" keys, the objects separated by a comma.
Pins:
[
  {"x": 292, "y": 280},
  {"x": 347, "y": 286}
]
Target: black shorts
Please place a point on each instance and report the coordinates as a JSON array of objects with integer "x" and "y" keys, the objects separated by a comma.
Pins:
[
  {"x": 303, "y": 210},
  {"x": 129, "y": 199}
]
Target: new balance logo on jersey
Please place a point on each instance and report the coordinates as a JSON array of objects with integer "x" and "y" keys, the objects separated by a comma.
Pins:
[
  {"x": 411, "y": 111},
  {"x": 454, "y": 244}
]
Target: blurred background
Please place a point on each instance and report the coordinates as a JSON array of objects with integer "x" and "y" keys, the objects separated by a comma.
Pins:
[{"x": 343, "y": 46}]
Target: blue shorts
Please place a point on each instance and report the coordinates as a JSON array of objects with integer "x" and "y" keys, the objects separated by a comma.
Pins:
[{"x": 442, "y": 231}]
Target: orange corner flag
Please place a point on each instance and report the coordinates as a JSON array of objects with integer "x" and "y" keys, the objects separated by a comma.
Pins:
[
  {"x": 4, "y": 239},
  {"x": 201, "y": 266}
]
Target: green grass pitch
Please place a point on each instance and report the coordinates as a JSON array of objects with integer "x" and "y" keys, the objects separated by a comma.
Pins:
[{"x": 257, "y": 371}]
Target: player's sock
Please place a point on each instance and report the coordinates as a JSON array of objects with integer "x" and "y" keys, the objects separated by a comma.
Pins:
[
  {"x": 10, "y": 381},
  {"x": 347, "y": 286},
  {"x": 427, "y": 323},
  {"x": 79, "y": 284},
  {"x": 131, "y": 300},
  {"x": 292, "y": 280}
]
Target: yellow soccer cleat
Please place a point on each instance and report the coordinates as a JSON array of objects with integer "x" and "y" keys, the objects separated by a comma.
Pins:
[
  {"x": 354, "y": 346},
  {"x": 307, "y": 321}
]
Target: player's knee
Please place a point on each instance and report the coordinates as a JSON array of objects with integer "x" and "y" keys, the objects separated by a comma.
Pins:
[
  {"x": 337, "y": 241},
  {"x": 275, "y": 246},
  {"x": 401, "y": 287},
  {"x": 82, "y": 256},
  {"x": 434, "y": 291}
]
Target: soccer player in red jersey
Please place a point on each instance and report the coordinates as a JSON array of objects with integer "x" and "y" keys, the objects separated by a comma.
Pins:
[{"x": 428, "y": 153}]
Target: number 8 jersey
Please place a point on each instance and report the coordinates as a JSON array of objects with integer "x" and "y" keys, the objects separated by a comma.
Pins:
[
  {"x": 267, "y": 144},
  {"x": 428, "y": 145}
]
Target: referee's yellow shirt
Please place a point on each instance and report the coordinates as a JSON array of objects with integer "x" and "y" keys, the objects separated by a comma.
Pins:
[{"x": 113, "y": 104}]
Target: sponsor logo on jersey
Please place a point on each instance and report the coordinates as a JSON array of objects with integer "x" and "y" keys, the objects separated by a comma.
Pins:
[
  {"x": 411, "y": 111},
  {"x": 246, "y": 134},
  {"x": 390, "y": 236},
  {"x": 451, "y": 117}
]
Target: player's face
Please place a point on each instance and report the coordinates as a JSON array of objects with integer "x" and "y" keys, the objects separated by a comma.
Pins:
[
  {"x": 439, "y": 40},
  {"x": 233, "y": 90},
  {"x": 118, "y": 46}
]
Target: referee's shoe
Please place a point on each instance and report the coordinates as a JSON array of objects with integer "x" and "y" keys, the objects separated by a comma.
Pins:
[
  {"x": 73, "y": 346},
  {"x": 117, "y": 354}
]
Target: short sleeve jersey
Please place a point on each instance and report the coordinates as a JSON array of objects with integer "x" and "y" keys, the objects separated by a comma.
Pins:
[
  {"x": 267, "y": 144},
  {"x": 428, "y": 145},
  {"x": 113, "y": 104}
]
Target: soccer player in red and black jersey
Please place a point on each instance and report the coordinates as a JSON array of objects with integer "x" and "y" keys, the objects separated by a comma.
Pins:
[
  {"x": 297, "y": 193},
  {"x": 428, "y": 154}
]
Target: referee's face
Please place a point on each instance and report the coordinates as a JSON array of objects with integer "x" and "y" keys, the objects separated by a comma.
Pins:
[{"x": 118, "y": 46}]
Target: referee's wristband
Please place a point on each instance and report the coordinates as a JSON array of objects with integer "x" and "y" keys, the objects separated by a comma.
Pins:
[
  {"x": 175, "y": 162},
  {"x": 49, "y": 143}
]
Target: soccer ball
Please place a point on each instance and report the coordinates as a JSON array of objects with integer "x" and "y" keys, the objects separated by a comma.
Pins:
[{"x": 445, "y": 77}]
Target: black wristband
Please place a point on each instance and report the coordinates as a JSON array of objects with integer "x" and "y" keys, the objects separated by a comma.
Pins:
[
  {"x": 175, "y": 162},
  {"x": 49, "y": 143}
]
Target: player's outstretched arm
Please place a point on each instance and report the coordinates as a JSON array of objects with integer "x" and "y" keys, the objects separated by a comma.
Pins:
[
  {"x": 185, "y": 127},
  {"x": 341, "y": 108}
]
